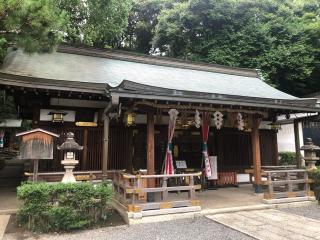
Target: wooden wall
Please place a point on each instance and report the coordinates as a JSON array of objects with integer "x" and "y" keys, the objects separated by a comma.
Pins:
[
  {"x": 127, "y": 149},
  {"x": 89, "y": 158}
]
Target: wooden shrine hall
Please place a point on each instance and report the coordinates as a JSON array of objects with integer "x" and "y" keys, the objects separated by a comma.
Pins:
[{"x": 150, "y": 115}]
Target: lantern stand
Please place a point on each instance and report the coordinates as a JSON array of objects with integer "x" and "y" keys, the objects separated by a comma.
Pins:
[
  {"x": 310, "y": 154},
  {"x": 70, "y": 146}
]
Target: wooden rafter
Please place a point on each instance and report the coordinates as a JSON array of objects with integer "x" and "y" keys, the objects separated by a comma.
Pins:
[{"x": 192, "y": 108}]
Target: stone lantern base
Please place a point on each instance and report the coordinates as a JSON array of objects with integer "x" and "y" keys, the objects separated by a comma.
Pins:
[
  {"x": 311, "y": 165},
  {"x": 69, "y": 165}
]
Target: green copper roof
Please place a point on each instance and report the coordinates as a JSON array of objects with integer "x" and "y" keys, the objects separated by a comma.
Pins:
[{"x": 111, "y": 68}]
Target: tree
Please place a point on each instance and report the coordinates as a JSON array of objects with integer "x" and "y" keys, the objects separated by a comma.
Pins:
[
  {"x": 279, "y": 37},
  {"x": 142, "y": 21},
  {"x": 40, "y": 25},
  {"x": 34, "y": 25},
  {"x": 98, "y": 23}
]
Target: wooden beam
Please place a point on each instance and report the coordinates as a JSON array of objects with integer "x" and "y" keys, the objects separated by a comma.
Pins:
[
  {"x": 256, "y": 155},
  {"x": 106, "y": 124},
  {"x": 150, "y": 146},
  {"x": 297, "y": 143}
]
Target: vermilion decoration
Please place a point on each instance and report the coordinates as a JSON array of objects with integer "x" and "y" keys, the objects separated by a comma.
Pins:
[
  {"x": 168, "y": 161},
  {"x": 205, "y": 134}
]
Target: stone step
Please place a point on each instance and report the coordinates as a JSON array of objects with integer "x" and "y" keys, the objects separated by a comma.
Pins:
[{"x": 270, "y": 224}]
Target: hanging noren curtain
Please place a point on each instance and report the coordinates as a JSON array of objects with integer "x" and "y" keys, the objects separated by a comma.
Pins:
[
  {"x": 205, "y": 135},
  {"x": 168, "y": 161}
]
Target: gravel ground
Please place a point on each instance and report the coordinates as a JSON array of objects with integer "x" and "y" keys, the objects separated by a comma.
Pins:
[
  {"x": 312, "y": 211},
  {"x": 199, "y": 228}
]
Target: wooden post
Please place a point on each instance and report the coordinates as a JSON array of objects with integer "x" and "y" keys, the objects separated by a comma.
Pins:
[
  {"x": 35, "y": 169},
  {"x": 106, "y": 123},
  {"x": 297, "y": 143},
  {"x": 165, "y": 191},
  {"x": 85, "y": 148},
  {"x": 150, "y": 152},
  {"x": 276, "y": 150},
  {"x": 270, "y": 186},
  {"x": 150, "y": 143},
  {"x": 256, "y": 155}
]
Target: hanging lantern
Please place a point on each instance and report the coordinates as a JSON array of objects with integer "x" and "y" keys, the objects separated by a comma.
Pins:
[
  {"x": 131, "y": 119},
  {"x": 218, "y": 119},
  {"x": 275, "y": 126},
  {"x": 57, "y": 116},
  {"x": 184, "y": 122}
]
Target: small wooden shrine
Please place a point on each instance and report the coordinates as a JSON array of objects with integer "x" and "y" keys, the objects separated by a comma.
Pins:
[{"x": 36, "y": 144}]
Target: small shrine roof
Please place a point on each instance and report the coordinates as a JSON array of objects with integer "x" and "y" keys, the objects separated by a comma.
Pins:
[
  {"x": 70, "y": 144},
  {"x": 37, "y": 130}
]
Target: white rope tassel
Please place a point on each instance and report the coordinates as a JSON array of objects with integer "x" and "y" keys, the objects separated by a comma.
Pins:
[
  {"x": 218, "y": 119},
  {"x": 173, "y": 113},
  {"x": 197, "y": 119},
  {"x": 240, "y": 122}
]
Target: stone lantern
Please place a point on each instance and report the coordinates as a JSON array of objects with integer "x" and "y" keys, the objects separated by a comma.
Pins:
[
  {"x": 70, "y": 146},
  {"x": 310, "y": 156}
]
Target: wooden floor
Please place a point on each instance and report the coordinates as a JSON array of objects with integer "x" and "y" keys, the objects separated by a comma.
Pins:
[
  {"x": 210, "y": 199},
  {"x": 224, "y": 197}
]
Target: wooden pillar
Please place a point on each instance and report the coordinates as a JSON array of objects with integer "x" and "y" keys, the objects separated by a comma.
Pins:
[
  {"x": 150, "y": 143},
  {"x": 275, "y": 150},
  {"x": 297, "y": 143},
  {"x": 256, "y": 155},
  {"x": 150, "y": 146},
  {"x": 85, "y": 149},
  {"x": 106, "y": 125}
]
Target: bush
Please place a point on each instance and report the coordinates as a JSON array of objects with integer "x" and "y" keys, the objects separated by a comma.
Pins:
[
  {"x": 287, "y": 158},
  {"x": 61, "y": 207},
  {"x": 315, "y": 186}
]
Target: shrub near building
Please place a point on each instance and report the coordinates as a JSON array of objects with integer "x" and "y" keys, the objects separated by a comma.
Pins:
[
  {"x": 315, "y": 176},
  {"x": 287, "y": 158},
  {"x": 62, "y": 207}
]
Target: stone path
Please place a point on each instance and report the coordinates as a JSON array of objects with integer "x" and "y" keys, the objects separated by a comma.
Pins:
[
  {"x": 4, "y": 219},
  {"x": 270, "y": 224}
]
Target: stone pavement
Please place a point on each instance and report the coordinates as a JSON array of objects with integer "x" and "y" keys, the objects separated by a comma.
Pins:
[
  {"x": 270, "y": 224},
  {"x": 4, "y": 219}
]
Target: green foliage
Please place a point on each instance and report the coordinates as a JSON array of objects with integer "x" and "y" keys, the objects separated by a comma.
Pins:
[
  {"x": 142, "y": 21},
  {"x": 98, "y": 23},
  {"x": 315, "y": 176},
  {"x": 287, "y": 158},
  {"x": 34, "y": 25},
  {"x": 279, "y": 37},
  {"x": 39, "y": 25},
  {"x": 62, "y": 207}
]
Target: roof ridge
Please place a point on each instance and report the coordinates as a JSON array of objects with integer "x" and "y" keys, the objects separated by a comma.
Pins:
[{"x": 157, "y": 60}]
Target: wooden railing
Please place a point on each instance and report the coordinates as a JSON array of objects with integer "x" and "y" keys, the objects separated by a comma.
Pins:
[
  {"x": 287, "y": 184},
  {"x": 132, "y": 191}
]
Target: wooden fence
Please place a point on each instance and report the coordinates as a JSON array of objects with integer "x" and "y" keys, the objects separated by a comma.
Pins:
[
  {"x": 132, "y": 191},
  {"x": 287, "y": 184}
]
